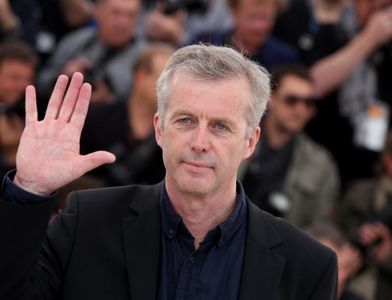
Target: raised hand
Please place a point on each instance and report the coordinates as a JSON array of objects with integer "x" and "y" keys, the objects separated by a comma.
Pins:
[{"x": 48, "y": 155}]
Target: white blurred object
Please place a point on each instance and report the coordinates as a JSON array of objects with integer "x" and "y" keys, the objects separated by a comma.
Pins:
[{"x": 372, "y": 127}]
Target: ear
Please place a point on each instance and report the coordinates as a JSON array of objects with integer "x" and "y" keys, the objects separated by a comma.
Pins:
[
  {"x": 158, "y": 129},
  {"x": 272, "y": 101},
  {"x": 252, "y": 142}
]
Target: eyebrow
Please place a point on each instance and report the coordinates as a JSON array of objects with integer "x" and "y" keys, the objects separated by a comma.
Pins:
[{"x": 230, "y": 123}]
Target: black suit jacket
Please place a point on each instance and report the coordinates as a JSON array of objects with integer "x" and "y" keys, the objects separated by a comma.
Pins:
[{"x": 106, "y": 245}]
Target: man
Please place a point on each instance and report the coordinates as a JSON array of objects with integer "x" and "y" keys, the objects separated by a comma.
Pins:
[
  {"x": 289, "y": 175},
  {"x": 102, "y": 53},
  {"x": 251, "y": 33},
  {"x": 18, "y": 63},
  {"x": 126, "y": 129},
  {"x": 194, "y": 236}
]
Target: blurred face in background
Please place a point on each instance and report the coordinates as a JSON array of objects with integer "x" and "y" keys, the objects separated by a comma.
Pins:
[
  {"x": 117, "y": 20},
  {"x": 292, "y": 105},
  {"x": 147, "y": 79},
  {"x": 15, "y": 75},
  {"x": 254, "y": 20}
]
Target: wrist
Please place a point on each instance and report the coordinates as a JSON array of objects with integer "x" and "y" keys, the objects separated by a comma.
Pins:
[{"x": 30, "y": 186}]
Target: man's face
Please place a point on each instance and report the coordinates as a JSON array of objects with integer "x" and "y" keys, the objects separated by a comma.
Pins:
[
  {"x": 291, "y": 105},
  {"x": 15, "y": 75},
  {"x": 203, "y": 135},
  {"x": 254, "y": 20},
  {"x": 116, "y": 20}
]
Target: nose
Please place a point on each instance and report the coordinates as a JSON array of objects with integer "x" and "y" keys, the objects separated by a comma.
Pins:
[{"x": 200, "y": 140}]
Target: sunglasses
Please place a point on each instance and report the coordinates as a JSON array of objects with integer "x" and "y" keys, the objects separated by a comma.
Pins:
[{"x": 292, "y": 100}]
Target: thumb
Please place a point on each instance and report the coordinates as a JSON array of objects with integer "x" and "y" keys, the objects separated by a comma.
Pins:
[{"x": 96, "y": 159}]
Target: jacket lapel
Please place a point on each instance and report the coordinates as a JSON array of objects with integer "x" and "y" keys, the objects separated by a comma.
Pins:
[
  {"x": 262, "y": 267},
  {"x": 142, "y": 236}
]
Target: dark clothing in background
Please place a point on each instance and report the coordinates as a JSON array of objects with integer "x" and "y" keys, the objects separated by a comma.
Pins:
[
  {"x": 42, "y": 24},
  {"x": 107, "y": 127},
  {"x": 266, "y": 174},
  {"x": 270, "y": 55}
]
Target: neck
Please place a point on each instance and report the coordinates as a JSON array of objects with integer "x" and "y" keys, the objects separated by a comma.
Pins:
[
  {"x": 201, "y": 214},
  {"x": 140, "y": 117},
  {"x": 278, "y": 137}
]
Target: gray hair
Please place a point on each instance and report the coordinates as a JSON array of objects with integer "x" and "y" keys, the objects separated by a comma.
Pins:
[{"x": 216, "y": 63}]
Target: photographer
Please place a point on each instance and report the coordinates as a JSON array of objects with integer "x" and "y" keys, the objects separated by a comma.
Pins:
[
  {"x": 102, "y": 53},
  {"x": 365, "y": 213}
]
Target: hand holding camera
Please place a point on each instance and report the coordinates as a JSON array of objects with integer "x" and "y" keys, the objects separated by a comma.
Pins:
[{"x": 377, "y": 236}]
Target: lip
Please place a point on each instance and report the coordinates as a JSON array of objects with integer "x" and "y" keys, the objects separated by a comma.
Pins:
[{"x": 196, "y": 164}]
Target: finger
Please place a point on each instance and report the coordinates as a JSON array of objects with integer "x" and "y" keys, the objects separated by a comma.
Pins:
[
  {"x": 71, "y": 97},
  {"x": 367, "y": 234},
  {"x": 95, "y": 159},
  {"x": 81, "y": 107},
  {"x": 382, "y": 230},
  {"x": 56, "y": 98},
  {"x": 31, "y": 105}
]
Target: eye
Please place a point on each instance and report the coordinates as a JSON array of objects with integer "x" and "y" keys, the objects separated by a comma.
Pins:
[
  {"x": 184, "y": 120},
  {"x": 221, "y": 126}
]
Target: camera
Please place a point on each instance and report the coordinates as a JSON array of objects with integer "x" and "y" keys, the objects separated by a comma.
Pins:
[{"x": 385, "y": 217}]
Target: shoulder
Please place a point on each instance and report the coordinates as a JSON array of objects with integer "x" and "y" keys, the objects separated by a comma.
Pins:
[
  {"x": 313, "y": 151},
  {"x": 114, "y": 200},
  {"x": 278, "y": 47},
  {"x": 79, "y": 35},
  {"x": 299, "y": 249}
]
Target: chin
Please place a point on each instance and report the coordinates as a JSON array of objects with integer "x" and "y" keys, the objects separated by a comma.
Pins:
[{"x": 195, "y": 186}]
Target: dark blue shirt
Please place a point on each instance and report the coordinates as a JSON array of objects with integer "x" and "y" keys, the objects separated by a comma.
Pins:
[{"x": 213, "y": 271}]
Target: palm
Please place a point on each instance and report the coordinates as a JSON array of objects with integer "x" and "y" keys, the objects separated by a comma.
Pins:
[{"x": 48, "y": 155}]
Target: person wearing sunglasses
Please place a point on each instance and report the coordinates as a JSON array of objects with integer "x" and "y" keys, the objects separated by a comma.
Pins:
[{"x": 290, "y": 175}]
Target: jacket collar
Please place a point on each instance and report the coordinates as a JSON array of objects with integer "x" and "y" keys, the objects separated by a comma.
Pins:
[
  {"x": 262, "y": 267},
  {"x": 142, "y": 244}
]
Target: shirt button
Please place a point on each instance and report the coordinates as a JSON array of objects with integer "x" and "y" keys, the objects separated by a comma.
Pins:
[{"x": 171, "y": 231}]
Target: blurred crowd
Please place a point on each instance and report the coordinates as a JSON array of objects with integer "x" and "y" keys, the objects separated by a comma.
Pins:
[{"x": 324, "y": 161}]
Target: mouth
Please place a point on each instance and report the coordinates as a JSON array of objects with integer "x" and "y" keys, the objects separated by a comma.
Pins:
[{"x": 197, "y": 165}]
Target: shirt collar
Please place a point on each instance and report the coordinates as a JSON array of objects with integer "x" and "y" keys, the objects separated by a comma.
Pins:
[{"x": 171, "y": 219}]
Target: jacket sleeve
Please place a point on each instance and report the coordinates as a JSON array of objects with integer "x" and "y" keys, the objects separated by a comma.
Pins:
[
  {"x": 326, "y": 287},
  {"x": 33, "y": 253}
]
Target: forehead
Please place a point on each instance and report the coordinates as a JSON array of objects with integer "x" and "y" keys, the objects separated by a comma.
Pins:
[
  {"x": 293, "y": 83},
  {"x": 209, "y": 98},
  {"x": 242, "y": 4},
  {"x": 123, "y": 4},
  {"x": 13, "y": 64}
]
